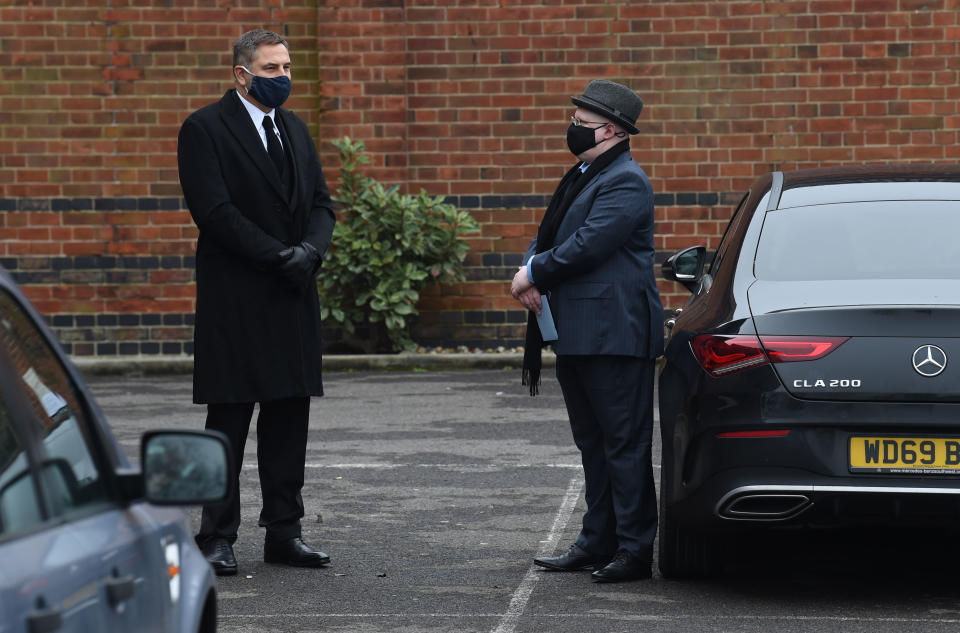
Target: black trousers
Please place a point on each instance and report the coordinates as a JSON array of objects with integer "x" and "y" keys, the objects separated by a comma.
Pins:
[
  {"x": 281, "y": 453},
  {"x": 610, "y": 404}
]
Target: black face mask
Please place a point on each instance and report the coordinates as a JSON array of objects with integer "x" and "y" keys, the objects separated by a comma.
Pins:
[
  {"x": 580, "y": 138},
  {"x": 269, "y": 91}
]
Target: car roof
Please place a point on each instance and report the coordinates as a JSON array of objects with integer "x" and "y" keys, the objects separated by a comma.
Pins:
[
  {"x": 861, "y": 183},
  {"x": 919, "y": 172}
]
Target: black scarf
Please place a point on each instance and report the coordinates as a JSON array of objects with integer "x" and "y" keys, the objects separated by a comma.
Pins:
[{"x": 568, "y": 189}]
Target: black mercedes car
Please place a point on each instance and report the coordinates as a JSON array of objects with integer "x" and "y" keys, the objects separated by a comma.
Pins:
[{"x": 813, "y": 377}]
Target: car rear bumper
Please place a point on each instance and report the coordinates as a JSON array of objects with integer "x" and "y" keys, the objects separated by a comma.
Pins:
[{"x": 788, "y": 497}]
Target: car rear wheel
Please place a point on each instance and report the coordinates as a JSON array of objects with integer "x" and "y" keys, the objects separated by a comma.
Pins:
[{"x": 684, "y": 553}]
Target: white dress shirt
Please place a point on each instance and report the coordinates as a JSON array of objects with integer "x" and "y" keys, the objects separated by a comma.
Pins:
[{"x": 257, "y": 115}]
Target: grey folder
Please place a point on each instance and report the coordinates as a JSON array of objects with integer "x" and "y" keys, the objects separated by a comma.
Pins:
[{"x": 545, "y": 320}]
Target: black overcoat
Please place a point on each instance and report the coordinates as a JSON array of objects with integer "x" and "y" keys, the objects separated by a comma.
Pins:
[{"x": 255, "y": 337}]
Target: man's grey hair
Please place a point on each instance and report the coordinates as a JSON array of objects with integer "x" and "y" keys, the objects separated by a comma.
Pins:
[{"x": 245, "y": 48}]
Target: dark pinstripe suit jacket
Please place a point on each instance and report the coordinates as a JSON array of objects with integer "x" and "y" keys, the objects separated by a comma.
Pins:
[{"x": 599, "y": 274}]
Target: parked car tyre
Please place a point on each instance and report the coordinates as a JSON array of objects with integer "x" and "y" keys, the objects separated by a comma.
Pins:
[{"x": 682, "y": 552}]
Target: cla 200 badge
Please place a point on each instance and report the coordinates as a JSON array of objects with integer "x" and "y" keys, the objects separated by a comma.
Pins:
[{"x": 832, "y": 382}]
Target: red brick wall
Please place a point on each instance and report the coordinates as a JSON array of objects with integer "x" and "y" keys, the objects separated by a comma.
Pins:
[
  {"x": 464, "y": 99},
  {"x": 91, "y": 216}
]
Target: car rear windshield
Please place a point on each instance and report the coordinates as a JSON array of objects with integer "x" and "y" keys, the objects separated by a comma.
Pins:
[{"x": 861, "y": 240}]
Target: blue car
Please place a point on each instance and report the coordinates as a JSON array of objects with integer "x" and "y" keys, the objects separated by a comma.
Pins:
[{"x": 87, "y": 543}]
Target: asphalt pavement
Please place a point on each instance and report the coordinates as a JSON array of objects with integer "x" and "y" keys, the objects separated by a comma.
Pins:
[{"x": 433, "y": 490}]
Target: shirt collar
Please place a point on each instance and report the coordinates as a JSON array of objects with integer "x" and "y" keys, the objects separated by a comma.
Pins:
[{"x": 256, "y": 114}]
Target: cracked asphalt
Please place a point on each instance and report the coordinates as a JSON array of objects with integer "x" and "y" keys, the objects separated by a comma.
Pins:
[{"x": 433, "y": 491}]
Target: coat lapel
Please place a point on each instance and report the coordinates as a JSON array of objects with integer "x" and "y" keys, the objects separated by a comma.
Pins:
[
  {"x": 238, "y": 122},
  {"x": 296, "y": 154}
]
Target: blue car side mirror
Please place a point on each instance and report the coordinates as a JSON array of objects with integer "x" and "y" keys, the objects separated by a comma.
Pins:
[{"x": 185, "y": 467}]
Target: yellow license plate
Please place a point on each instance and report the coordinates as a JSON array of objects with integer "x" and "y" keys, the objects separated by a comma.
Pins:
[{"x": 922, "y": 455}]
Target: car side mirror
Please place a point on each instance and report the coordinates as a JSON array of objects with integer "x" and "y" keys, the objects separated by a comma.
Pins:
[
  {"x": 185, "y": 467},
  {"x": 685, "y": 267}
]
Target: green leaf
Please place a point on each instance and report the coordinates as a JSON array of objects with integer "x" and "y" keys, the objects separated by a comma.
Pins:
[{"x": 386, "y": 246}]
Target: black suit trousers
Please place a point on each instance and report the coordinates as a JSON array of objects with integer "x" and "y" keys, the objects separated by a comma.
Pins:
[
  {"x": 281, "y": 453},
  {"x": 610, "y": 404}
]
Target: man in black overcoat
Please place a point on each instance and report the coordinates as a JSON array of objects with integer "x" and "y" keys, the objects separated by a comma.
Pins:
[{"x": 251, "y": 178}]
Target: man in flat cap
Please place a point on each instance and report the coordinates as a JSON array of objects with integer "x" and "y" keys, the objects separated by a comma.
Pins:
[{"x": 591, "y": 264}]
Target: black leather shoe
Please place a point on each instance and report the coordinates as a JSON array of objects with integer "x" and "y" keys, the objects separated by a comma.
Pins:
[
  {"x": 219, "y": 553},
  {"x": 624, "y": 566},
  {"x": 575, "y": 559},
  {"x": 294, "y": 553}
]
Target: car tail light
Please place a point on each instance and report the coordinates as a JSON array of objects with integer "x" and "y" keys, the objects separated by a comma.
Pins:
[
  {"x": 791, "y": 349},
  {"x": 722, "y": 354}
]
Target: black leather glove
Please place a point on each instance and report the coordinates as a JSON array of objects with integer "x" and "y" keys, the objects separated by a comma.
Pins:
[
  {"x": 299, "y": 264},
  {"x": 317, "y": 259}
]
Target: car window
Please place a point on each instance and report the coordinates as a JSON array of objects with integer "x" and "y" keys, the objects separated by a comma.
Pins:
[
  {"x": 56, "y": 420},
  {"x": 861, "y": 240},
  {"x": 19, "y": 506},
  {"x": 725, "y": 240}
]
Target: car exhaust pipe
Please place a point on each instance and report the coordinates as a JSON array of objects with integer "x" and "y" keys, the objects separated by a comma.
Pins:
[{"x": 759, "y": 506}]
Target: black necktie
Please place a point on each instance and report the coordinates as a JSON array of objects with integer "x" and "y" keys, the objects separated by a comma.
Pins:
[{"x": 273, "y": 145}]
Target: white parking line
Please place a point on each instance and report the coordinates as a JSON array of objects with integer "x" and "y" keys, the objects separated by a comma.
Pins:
[{"x": 522, "y": 595}]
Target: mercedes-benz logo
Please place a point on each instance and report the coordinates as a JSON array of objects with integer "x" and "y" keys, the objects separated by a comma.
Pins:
[{"x": 929, "y": 360}]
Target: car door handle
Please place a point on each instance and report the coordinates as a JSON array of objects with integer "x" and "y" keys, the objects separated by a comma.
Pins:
[
  {"x": 42, "y": 619},
  {"x": 119, "y": 589}
]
